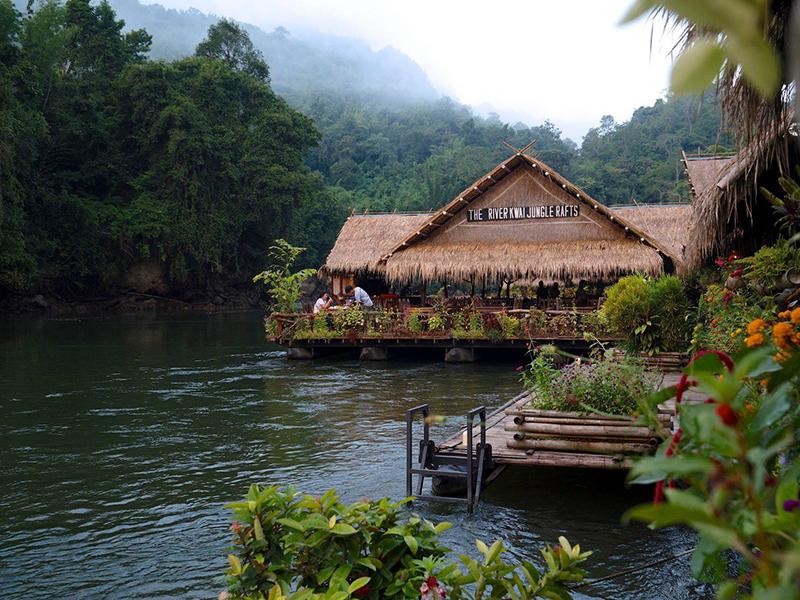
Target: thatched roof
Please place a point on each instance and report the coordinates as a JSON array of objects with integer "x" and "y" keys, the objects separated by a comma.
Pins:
[
  {"x": 729, "y": 203},
  {"x": 668, "y": 223},
  {"x": 601, "y": 243},
  {"x": 703, "y": 171},
  {"x": 365, "y": 239},
  {"x": 505, "y": 168},
  {"x": 612, "y": 246},
  {"x": 596, "y": 259}
]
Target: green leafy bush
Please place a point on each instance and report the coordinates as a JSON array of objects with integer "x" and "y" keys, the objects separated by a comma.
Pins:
[
  {"x": 293, "y": 546},
  {"x": 537, "y": 320},
  {"x": 283, "y": 286},
  {"x": 414, "y": 322},
  {"x": 605, "y": 383},
  {"x": 670, "y": 308},
  {"x": 767, "y": 266},
  {"x": 510, "y": 326},
  {"x": 738, "y": 463},
  {"x": 652, "y": 315},
  {"x": 350, "y": 319},
  {"x": 627, "y": 306},
  {"x": 436, "y": 323}
]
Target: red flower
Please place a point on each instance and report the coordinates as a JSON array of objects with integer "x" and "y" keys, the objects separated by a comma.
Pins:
[
  {"x": 720, "y": 262},
  {"x": 737, "y": 273},
  {"x": 235, "y": 527},
  {"x": 431, "y": 581},
  {"x": 728, "y": 415},
  {"x": 727, "y": 298}
]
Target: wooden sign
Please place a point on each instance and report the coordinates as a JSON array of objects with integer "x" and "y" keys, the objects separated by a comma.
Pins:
[{"x": 521, "y": 213}]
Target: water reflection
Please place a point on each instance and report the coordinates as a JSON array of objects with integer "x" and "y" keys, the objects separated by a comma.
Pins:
[{"x": 121, "y": 438}]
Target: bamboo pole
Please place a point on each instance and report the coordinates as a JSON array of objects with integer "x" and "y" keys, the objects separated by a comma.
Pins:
[
  {"x": 580, "y": 446},
  {"x": 533, "y": 412},
  {"x": 521, "y": 420},
  {"x": 565, "y": 459},
  {"x": 582, "y": 430},
  {"x": 527, "y": 435}
]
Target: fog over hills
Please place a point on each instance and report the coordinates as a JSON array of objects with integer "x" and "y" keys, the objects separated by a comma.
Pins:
[{"x": 302, "y": 63}]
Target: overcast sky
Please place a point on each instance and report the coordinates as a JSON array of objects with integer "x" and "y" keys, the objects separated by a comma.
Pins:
[{"x": 564, "y": 60}]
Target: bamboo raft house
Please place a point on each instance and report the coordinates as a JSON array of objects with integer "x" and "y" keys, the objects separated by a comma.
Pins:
[
  {"x": 520, "y": 223},
  {"x": 522, "y": 220}
]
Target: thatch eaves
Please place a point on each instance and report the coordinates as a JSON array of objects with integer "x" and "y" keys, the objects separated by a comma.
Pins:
[
  {"x": 572, "y": 259},
  {"x": 366, "y": 238},
  {"x": 729, "y": 204}
]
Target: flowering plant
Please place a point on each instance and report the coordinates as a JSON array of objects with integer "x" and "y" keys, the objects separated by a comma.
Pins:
[
  {"x": 289, "y": 546},
  {"x": 604, "y": 383},
  {"x": 736, "y": 456}
]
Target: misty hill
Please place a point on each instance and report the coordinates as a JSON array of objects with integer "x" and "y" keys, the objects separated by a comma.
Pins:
[{"x": 310, "y": 63}]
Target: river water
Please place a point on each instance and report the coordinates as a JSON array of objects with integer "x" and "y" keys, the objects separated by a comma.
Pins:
[{"x": 121, "y": 437}]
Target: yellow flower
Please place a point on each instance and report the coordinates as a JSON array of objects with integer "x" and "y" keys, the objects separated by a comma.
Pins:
[
  {"x": 781, "y": 356},
  {"x": 756, "y": 326},
  {"x": 755, "y": 339},
  {"x": 795, "y": 316}
]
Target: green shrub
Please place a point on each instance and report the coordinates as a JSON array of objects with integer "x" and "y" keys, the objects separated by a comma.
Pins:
[
  {"x": 293, "y": 546},
  {"x": 652, "y": 315},
  {"x": 436, "y": 323},
  {"x": 414, "y": 322},
  {"x": 670, "y": 308},
  {"x": 301, "y": 329},
  {"x": 605, "y": 383},
  {"x": 349, "y": 319},
  {"x": 627, "y": 306},
  {"x": 537, "y": 320},
  {"x": 769, "y": 264},
  {"x": 510, "y": 326},
  {"x": 320, "y": 329}
]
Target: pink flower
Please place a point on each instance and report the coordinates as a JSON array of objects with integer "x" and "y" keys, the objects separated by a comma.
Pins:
[
  {"x": 737, "y": 273},
  {"x": 520, "y": 368}
]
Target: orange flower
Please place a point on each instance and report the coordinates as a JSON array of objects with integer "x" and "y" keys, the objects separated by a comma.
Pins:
[
  {"x": 756, "y": 326},
  {"x": 756, "y": 339},
  {"x": 795, "y": 316},
  {"x": 785, "y": 314},
  {"x": 782, "y": 333},
  {"x": 781, "y": 356}
]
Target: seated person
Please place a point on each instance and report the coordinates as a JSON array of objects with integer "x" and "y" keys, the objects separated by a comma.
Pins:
[
  {"x": 358, "y": 296},
  {"x": 324, "y": 302}
]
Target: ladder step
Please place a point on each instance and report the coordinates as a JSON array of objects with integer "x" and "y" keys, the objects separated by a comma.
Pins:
[
  {"x": 439, "y": 473},
  {"x": 442, "y": 499}
]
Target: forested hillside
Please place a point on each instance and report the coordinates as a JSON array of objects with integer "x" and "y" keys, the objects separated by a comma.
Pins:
[
  {"x": 388, "y": 142},
  {"x": 116, "y": 168},
  {"x": 120, "y": 172}
]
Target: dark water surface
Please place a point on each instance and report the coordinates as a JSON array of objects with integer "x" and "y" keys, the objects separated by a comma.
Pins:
[{"x": 122, "y": 437}]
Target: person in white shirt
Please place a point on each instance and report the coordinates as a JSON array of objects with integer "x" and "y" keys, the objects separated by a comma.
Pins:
[
  {"x": 359, "y": 296},
  {"x": 324, "y": 302}
]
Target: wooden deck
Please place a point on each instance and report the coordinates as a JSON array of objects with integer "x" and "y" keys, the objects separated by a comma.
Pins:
[{"x": 497, "y": 436}]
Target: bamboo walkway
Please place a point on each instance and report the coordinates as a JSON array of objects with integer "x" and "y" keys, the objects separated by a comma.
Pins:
[{"x": 498, "y": 437}]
